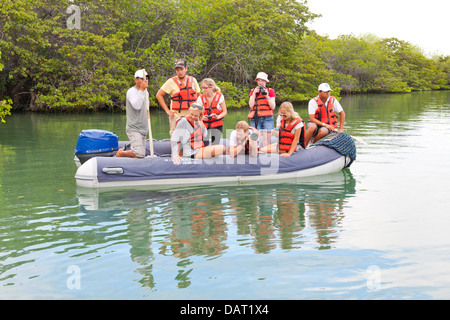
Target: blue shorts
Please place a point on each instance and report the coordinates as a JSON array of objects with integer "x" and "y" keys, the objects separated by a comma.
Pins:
[{"x": 264, "y": 123}]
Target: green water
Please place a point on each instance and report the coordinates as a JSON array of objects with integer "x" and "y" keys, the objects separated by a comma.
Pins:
[{"x": 375, "y": 231}]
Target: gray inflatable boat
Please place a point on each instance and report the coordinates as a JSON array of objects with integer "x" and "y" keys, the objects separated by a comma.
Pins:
[{"x": 329, "y": 155}]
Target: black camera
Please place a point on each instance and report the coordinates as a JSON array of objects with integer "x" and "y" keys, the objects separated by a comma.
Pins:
[{"x": 262, "y": 90}]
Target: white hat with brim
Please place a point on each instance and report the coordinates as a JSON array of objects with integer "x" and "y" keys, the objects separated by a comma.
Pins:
[
  {"x": 139, "y": 74},
  {"x": 324, "y": 87},
  {"x": 262, "y": 76}
]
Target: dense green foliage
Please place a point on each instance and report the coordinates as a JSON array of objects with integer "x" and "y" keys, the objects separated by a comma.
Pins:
[
  {"x": 5, "y": 105},
  {"x": 49, "y": 65}
]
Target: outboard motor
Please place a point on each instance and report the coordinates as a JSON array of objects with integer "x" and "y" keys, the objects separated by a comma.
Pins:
[{"x": 96, "y": 143}]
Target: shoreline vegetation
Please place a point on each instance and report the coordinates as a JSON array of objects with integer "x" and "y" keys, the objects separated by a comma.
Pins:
[{"x": 60, "y": 55}]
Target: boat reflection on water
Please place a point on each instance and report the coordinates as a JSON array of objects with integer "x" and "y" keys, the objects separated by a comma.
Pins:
[{"x": 209, "y": 221}]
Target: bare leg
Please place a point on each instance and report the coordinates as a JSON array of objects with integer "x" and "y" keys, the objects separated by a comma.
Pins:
[
  {"x": 210, "y": 151},
  {"x": 309, "y": 133},
  {"x": 266, "y": 135},
  {"x": 273, "y": 148},
  {"x": 322, "y": 133}
]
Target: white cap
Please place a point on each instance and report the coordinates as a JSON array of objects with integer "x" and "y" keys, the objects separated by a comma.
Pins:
[
  {"x": 324, "y": 87},
  {"x": 138, "y": 74},
  {"x": 262, "y": 76}
]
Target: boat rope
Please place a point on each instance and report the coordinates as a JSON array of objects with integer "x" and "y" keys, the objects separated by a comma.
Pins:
[{"x": 341, "y": 142}]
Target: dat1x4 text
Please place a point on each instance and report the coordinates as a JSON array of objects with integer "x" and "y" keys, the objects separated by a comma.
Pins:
[{"x": 246, "y": 309}]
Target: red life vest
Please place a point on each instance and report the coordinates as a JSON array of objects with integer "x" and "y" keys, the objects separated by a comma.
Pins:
[
  {"x": 261, "y": 107},
  {"x": 212, "y": 109},
  {"x": 197, "y": 135},
  {"x": 183, "y": 99},
  {"x": 286, "y": 137},
  {"x": 324, "y": 114}
]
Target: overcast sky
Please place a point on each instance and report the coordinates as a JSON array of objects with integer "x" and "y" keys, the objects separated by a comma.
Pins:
[{"x": 424, "y": 23}]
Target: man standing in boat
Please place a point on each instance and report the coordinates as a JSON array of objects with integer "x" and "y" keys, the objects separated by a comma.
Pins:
[
  {"x": 183, "y": 91},
  {"x": 137, "y": 124},
  {"x": 323, "y": 111}
]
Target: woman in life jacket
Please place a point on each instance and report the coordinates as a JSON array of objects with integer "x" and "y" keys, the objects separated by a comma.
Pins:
[
  {"x": 244, "y": 140},
  {"x": 290, "y": 131},
  {"x": 215, "y": 109},
  {"x": 187, "y": 138}
]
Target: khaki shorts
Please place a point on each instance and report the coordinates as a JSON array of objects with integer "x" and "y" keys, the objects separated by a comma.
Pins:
[
  {"x": 178, "y": 115},
  {"x": 137, "y": 141},
  {"x": 318, "y": 128}
]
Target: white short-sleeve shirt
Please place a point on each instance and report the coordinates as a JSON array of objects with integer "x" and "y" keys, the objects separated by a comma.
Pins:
[
  {"x": 298, "y": 126},
  {"x": 312, "y": 106},
  {"x": 222, "y": 99}
]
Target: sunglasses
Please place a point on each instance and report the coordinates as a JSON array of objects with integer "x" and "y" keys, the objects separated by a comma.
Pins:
[{"x": 197, "y": 106}]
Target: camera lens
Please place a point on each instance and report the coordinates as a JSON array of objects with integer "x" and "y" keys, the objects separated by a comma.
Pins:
[{"x": 262, "y": 90}]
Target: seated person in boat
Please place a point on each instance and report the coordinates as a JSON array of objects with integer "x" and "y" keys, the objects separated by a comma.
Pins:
[
  {"x": 244, "y": 140},
  {"x": 187, "y": 138},
  {"x": 290, "y": 131},
  {"x": 323, "y": 111}
]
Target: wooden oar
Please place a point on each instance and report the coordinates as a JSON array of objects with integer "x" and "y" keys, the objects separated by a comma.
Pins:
[
  {"x": 358, "y": 139},
  {"x": 150, "y": 136}
]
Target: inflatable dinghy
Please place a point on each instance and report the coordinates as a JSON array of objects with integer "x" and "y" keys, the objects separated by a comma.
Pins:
[{"x": 102, "y": 170}]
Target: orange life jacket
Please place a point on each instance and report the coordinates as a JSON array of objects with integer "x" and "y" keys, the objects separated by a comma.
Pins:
[
  {"x": 197, "y": 135},
  {"x": 183, "y": 99},
  {"x": 212, "y": 109},
  {"x": 261, "y": 107},
  {"x": 324, "y": 114},
  {"x": 286, "y": 137}
]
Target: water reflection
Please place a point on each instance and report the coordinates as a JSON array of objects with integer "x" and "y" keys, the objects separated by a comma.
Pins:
[{"x": 207, "y": 222}]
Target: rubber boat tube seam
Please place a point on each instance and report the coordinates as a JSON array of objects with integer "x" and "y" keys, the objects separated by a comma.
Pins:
[{"x": 87, "y": 176}]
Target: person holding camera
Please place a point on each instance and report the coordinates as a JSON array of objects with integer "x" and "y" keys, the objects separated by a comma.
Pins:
[
  {"x": 290, "y": 131},
  {"x": 262, "y": 104},
  {"x": 137, "y": 124},
  {"x": 215, "y": 109},
  {"x": 244, "y": 140},
  {"x": 183, "y": 91}
]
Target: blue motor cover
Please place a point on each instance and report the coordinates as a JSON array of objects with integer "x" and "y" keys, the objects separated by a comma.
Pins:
[{"x": 95, "y": 141}]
